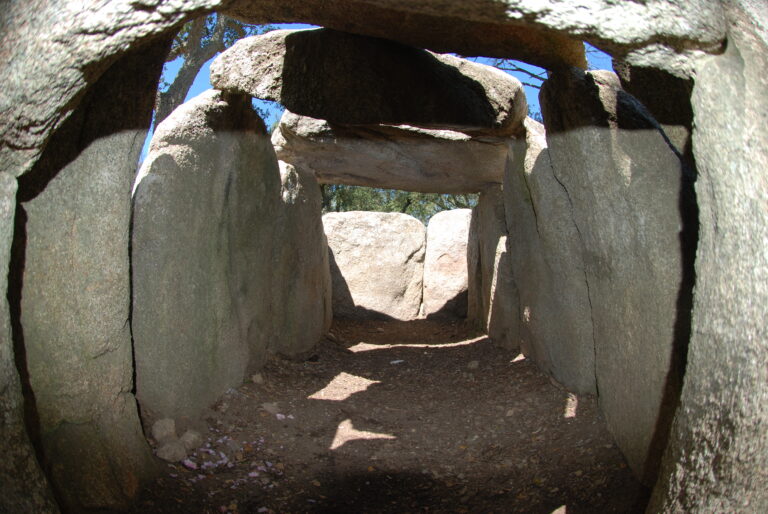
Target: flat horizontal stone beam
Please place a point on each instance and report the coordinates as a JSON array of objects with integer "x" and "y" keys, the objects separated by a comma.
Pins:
[
  {"x": 391, "y": 157},
  {"x": 352, "y": 79}
]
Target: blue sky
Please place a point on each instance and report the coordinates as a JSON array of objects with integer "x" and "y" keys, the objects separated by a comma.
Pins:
[{"x": 596, "y": 58}]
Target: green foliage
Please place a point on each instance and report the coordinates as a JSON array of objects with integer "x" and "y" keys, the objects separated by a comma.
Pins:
[{"x": 340, "y": 198}]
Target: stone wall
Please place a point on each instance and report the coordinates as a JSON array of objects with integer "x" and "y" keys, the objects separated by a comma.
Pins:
[
  {"x": 493, "y": 303},
  {"x": 547, "y": 264},
  {"x": 445, "y": 265},
  {"x": 229, "y": 257},
  {"x": 377, "y": 264},
  {"x": 71, "y": 279},
  {"x": 624, "y": 183}
]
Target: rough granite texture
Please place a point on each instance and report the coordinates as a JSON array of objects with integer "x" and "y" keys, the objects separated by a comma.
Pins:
[
  {"x": 390, "y": 157},
  {"x": 61, "y": 47},
  {"x": 23, "y": 487},
  {"x": 663, "y": 33},
  {"x": 310, "y": 73},
  {"x": 54, "y": 49},
  {"x": 202, "y": 254},
  {"x": 302, "y": 301},
  {"x": 377, "y": 264},
  {"x": 445, "y": 264},
  {"x": 717, "y": 459},
  {"x": 548, "y": 265},
  {"x": 624, "y": 184},
  {"x": 493, "y": 303},
  {"x": 71, "y": 264}
]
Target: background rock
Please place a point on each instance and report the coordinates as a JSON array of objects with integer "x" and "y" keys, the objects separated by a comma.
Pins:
[
  {"x": 390, "y": 157},
  {"x": 406, "y": 86},
  {"x": 445, "y": 264},
  {"x": 377, "y": 264},
  {"x": 625, "y": 185},
  {"x": 547, "y": 264}
]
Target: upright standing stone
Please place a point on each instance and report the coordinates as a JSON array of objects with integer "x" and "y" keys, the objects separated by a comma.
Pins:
[
  {"x": 625, "y": 183},
  {"x": 23, "y": 487},
  {"x": 75, "y": 288},
  {"x": 302, "y": 297},
  {"x": 493, "y": 298},
  {"x": 717, "y": 459},
  {"x": 445, "y": 264},
  {"x": 203, "y": 232},
  {"x": 548, "y": 265},
  {"x": 377, "y": 264}
]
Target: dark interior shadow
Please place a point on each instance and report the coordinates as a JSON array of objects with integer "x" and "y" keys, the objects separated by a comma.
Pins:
[
  {"x": 633, "y": 115},
  {"x": 455, "y": 308},
  {"x": 397, "y": 84},
  {"x": 120, "y": 100},
  {"x": 482, "y": 438}
]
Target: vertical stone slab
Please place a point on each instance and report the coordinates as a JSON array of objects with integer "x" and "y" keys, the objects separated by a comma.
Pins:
[
  {"x": 75, "y": 290},
  {"x": 23, "y": 487},
  {"x": 717, "y": 458},
  {"x": 203, "y": 236},
  {"x": 547, "y": 264},
  {"x": 445, "y": 264},
  {"x": 377, "y": 264},
  {"x": 624, "y": 182},
  {"x": 302, "y": 298},
  {"x": 493, "y": 301}
]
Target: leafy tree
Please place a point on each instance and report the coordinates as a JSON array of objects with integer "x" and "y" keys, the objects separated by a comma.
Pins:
[
  {"x": 340, "y": 198},
  {"x": 196, "y": 43}
]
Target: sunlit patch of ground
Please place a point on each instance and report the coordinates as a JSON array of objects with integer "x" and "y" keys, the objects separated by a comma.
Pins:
[{"x": 402, "y": 417}]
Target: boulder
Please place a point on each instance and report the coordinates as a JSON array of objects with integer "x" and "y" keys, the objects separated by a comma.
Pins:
[
  {"x": 548, "y": 266},
  {"x": 626, "y": 189},
  {"x": 302, "y": 302},
  {"x": 717, "y": 457},
  {"x": 377, "y": 264},
  {"x": 214, "y": 213},
  {"x": 72, "y": 284},
  {"x": 390, "y": 157},
  {"x": 23, "y": 487},
  {"x": 493, "y": 303},
  {"x": 203, "y": 230},
  {"x": 445, "y": 264},
  {"x": 308, "y": 72}
]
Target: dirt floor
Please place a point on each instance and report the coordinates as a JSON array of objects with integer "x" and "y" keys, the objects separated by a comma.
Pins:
[{"x": 401, "y": 417}]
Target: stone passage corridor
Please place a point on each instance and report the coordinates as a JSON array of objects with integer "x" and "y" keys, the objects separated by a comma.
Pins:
[{"x": 399, "y": 417}]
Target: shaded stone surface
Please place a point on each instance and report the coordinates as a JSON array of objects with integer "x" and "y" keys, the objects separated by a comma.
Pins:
[
  {"x": 203, "y": 232},
  {"x": 49, "y": 64},
  {"x": 302, "y": 297},
  {"x": 377, "y": 264},
  {"x": 229, "y": 256},
  {"x": 61, "y": 59},
  {"x": 445, "y": 264},
  {"x": 310, "y": 72},
  {"x": 23, "y": 487},
  {"x": 493, "y": 303},
  {"x": 72, "y": 264},
  {"x": 624, "y": 184},
  {"x": 548, "y": 265},
  {"x": 718, "y": 453},
  {"x": 390, "y": 157}
]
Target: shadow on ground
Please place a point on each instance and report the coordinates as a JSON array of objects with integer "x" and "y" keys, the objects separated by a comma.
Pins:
[{"x": 402, "y": 417}]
